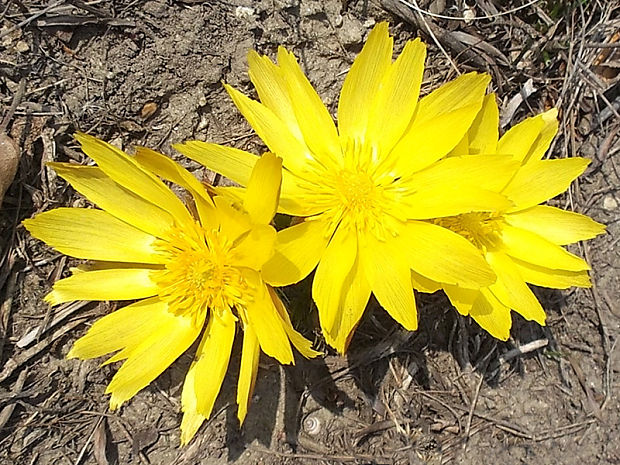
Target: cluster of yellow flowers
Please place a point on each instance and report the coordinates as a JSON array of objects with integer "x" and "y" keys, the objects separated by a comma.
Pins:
[{"x": 402, "y": 194}]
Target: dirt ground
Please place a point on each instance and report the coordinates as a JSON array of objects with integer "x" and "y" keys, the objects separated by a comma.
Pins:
[{"x": 149, "y": 72}]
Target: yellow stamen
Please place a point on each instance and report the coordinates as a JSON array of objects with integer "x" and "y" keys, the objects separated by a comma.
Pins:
[
  {"x": 480, "y": 228},
  {"x": 359, "y": 195},
  {"x": 198, "y": 276}
]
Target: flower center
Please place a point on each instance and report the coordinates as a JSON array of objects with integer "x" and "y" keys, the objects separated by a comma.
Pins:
[
  {"x": 198, "y": 275},
  {"x": 357, "y": 191},
  {"x": 360, "y": 193},
  {"x": 361, "y": 203},
  {"x": 480, "y": 228}
]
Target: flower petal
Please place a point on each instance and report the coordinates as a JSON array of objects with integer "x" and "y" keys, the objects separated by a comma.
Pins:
[
  {"x": 153, "y": 353},
  {"x": 554, "y": 279},
  {"x": 484, "y": 131},
  {"x": 441, "y": 120},
  {"x": 298, "y": 250},
  {"x": 397, "y": 97},
  {"x": 330, "y": 277},
  {"x": 362, "y": 82},
  {"x": 122, "y": 328},
  {"x": 234, "y": 194},
  {"x": 481, "y": 138},
  {"x": 231, "y": 221},
  {"x": 293, "y": 198},
  {"x": 124, "y": 170},
  {"x": 518, "y": 140},
  {"x": 212, "y": 357},
  {"x": 237, "y": 165},
  {"x": 303, "y": 345},
  {"x": 170, "y": 170},
  {"x": 233, "y": 163},
  {"x": 511, "y": 290},
  {"x": 156, "y": 337},
  {"x": 534, "y": 249},
  {"x": 440, "y": 201},
  {"x": 272, "y": 90},
  {"x": 492, "y": 315},
  {"x": 263, "y": 317},
  {"x": 389, "y": 276},
  {"x": 443, "y": 256},
  {"x": 461, "y": 297},
  {"x": 210, "y": 365},
  {"x": 191, "y": 421},
  {"x": 255, "y": 248},
  {"x": 295, "y": 155},
  {"x": 490, "y": 172},
  {"x": 467, "y": 89},
  {"x": 423, "y": 284},
  {"x": 462, "y": 148},
  {"x": 99, "y": 188},
  {"x": 263, "y": 190},
  {"x": 93, "y": 235},
  {"x": 356, "y": 293},
  {"x": 248, "y": 369},
  {"x": 530, "y": 139},
  {"x": 112, "y": 284},
  {"x": 543, "y": 141},
  {"x": 556, "y": 225},
  {"x": 314, "y": 120},
  {"x": 541, "y": 180}
]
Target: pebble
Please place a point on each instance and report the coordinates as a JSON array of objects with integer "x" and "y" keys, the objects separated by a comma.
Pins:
[
  {"x": 244, "y": 12},
  {"x": 610, "y": 203},
  {"x": 21, "y": 46},
  {"x": 351, "y": 32}
]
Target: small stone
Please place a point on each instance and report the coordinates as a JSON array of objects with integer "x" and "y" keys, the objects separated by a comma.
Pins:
[
  {"x": 117, "y": 142},
  {"x": 244, "y": 12},
  {"x": 369, "y": 23},
  {"x": 148, "y": 110},
  {"x": 9, "y": 159},
  {"x": 203, "y": 123},
  {"x": 22, "y": 47},
  {"x": 469, "y": 15},
  {"x": 351, "y": 32},
  {"x": 610, "y": 203}
]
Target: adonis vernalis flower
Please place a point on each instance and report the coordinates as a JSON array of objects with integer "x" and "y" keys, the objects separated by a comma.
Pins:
[
  {"x": 365, "y": 187},
  {"x": 188, "y": 273},
  {"x": 522, "y": 244}
]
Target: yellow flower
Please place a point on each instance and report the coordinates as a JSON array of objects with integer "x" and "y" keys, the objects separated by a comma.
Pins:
[
  {"x": 185, "y": 271},
  {"x": 522, "y": 244},
  {"x": 365, "y": 187}
]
